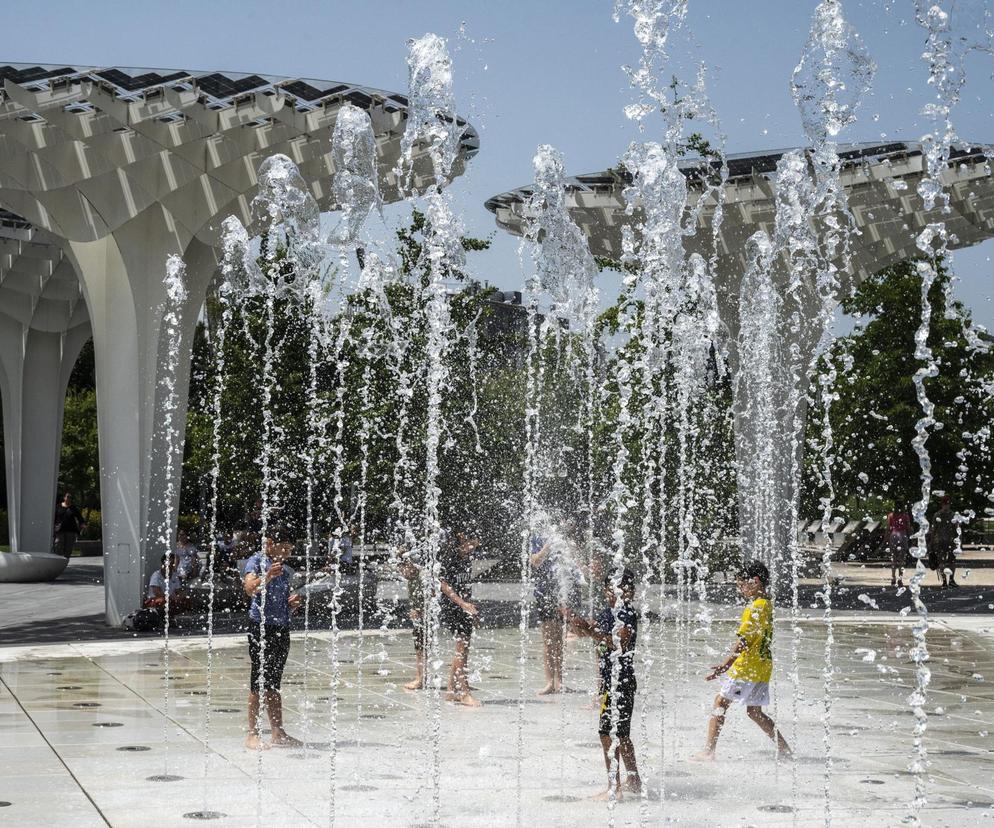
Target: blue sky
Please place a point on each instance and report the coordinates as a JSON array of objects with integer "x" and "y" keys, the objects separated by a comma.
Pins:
[{"x": 544, "y": 71}]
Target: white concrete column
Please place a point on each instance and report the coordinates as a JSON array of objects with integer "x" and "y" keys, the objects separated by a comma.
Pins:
[
  {"x": 36, "y": 369},
  {"x": 122, "y": 275}
]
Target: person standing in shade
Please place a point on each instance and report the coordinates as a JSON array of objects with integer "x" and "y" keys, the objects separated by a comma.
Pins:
[
  {"x": 188, "y": 556},
  {"x": 898, "y": 541},
  {"x": 267, "y": 583},
  {"x": 944, "y": 543},
  {"x": 69, "y": 522}
]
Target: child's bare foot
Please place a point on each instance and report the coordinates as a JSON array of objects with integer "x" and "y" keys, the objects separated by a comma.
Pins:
[
  {"x": 703, "y": 756},
  {"x": 548, "y": 690},
  {"x": 468, "y": 701},
  {"x": 284, "y": 741},
  {"x": 417, "y": 684},
  {"x": 605, "y": 796},
  {"x": 254, "y": 742},
  {"x": 633, "y": 784}
]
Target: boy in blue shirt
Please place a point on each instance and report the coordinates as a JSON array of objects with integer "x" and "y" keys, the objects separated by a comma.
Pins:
[{"x": 267, "y": 583}]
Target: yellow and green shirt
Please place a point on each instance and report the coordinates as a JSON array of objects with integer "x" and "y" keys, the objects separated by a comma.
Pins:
[{"x": 755, "y": 662}]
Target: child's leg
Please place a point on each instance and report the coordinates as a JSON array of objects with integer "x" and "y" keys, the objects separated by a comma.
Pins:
[
  {"x": 558, "y": 641},
  {"x": 419, "y": 655},
  {"x": 714, "y": 727},
  {"x": 768, "y": 726},
  {"x": 253, "y": 740},
  {"x": 552, "y": 651},
  {"x": 633, "y": 782},
  {"x": 606, "y": 747},
  {"x": 278, "y": 649},
  {"x": 460, "y": 685}
]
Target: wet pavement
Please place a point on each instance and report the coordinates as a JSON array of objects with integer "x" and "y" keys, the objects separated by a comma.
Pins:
[{"x": 87, "y": 734}]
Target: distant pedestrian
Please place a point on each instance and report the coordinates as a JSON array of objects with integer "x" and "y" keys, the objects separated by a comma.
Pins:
[
  {"x": 188, "y": 556},
  {"x": 944, "y": 543},
  {"x": 898, "y": 542},
  {"x": 69, "y": 523}
]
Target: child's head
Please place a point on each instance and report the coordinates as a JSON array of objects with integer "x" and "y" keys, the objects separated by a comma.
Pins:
[
  {"x": 466, "y": 542},
  {"x": 619, "y": 582},
  {"x": 278, "y": 543},
  {"x": 752, "y": 579}
]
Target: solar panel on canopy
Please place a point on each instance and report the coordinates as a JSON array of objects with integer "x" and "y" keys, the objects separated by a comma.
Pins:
[
  {"x": 135, "y": 83},
  {"x": 221, "y": 86},
  {"x": 32, "y": 73}
]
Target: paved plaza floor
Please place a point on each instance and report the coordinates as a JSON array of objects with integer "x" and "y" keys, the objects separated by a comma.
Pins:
[{"x": 87, "y": 733}]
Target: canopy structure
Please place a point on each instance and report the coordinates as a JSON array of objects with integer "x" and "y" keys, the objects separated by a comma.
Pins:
[
  {"x": 881, "y": 183},
  {"x": 114, "y": 170}
]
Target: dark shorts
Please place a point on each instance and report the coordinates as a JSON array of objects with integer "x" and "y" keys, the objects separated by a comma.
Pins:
[
  {"x": 277, "y": 641},
  {"x": 547, "y": 604},
  {"x": 622, "y": 713},
  {"x": 459, "y": 623},
  {"x": 547, "y": 607}
]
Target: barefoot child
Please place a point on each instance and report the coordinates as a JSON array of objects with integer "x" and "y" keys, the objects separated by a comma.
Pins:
[
  {"x": 615, "y": 632},
  {"x": 411, "y": 573},
  {"x": 750, "y": 664},
  {"x": 459, "y": 613},
  {"x": 267, "y": 583}
]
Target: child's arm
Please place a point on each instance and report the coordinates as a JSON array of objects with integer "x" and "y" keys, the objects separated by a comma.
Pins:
[
  {"x": 455, "y": 598},
  {"x": 583, "y": 627},
  {"x": 539, "y": 557},
  {"x": 579, "y": 626},
  {"x": 719, "y": 669}
]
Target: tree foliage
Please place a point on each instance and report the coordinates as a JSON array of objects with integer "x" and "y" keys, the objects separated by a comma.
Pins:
[{"x": 875, "y": 410}]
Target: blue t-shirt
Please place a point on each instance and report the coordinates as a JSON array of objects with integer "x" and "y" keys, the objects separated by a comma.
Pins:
[
  {"x": 543, "y": 575},
  {"x": 627, "y": 617},
  {"x": 277, "y": 592}
]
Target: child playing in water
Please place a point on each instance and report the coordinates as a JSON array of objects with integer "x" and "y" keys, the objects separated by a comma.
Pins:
[
  {"x": 267, "y": 583},
  {"x": 750, "y": 664},
  {"x": 615, "y": 631},
  {"x": 411, "y": 573}
]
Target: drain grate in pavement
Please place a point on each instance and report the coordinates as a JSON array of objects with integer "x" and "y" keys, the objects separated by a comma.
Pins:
[
  {"x": 134, "y": 748},
  {"x": 108, "y": 724},
  {"x": 204, "y": 815},
  {"x": 164, "y": 777}
]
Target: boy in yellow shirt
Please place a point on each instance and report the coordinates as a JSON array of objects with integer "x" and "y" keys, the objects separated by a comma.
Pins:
[{"x": 750, "y": 664}]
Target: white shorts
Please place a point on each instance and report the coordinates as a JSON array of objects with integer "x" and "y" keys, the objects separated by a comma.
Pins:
[{"x": 749, "y": 693}]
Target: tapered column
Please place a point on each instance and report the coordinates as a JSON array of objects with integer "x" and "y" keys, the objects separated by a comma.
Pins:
[
  {"x": 36, "y": 369},
  {"x": 122, "y": 276}
]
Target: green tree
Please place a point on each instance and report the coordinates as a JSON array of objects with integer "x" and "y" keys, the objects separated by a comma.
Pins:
[{"x": 874, "y": 414}]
